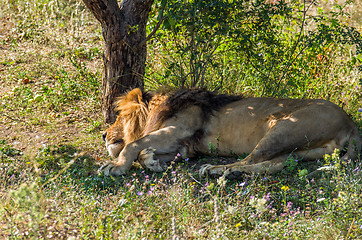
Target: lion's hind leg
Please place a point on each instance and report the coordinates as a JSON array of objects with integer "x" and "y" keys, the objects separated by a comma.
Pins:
[
  {"x": 236, "y": 170},
  {"x": 149, "y": 159}
]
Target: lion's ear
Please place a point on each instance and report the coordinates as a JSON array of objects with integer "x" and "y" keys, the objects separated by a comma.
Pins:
[{"x": 134, "y": 96}]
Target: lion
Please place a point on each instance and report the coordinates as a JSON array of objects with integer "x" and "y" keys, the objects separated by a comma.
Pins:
[{"x": 153, "y": 128}]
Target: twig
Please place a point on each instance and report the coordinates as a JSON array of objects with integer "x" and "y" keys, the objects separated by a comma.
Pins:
[
  {"x": 173, "y": 227},
  {"x": 11, "y": 118},
  {"x": 294, "y": 48},
  {"x": 216, "y": 215},
  {"x": 59, "y": 173},
  {"x": 158, "y": 25},
  {"x": 350, "y": 228}
]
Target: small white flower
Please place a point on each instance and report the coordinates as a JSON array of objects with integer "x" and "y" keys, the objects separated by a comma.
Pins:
[
  {"x": 231, "y": 209},
  {"x": 122, "y": 201},
  {"x": 221, "y": 181},
  {"x": 259, "y": 204}
]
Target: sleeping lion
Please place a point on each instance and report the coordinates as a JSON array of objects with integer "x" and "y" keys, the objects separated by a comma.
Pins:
[{"x": 154, "y": 128}]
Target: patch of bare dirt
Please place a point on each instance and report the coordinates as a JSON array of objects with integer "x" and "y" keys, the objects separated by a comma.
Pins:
[{"x": 67, "y": 130}]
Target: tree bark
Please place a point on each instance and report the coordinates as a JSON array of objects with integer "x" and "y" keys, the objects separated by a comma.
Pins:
[{"x": 124, "y": 57}]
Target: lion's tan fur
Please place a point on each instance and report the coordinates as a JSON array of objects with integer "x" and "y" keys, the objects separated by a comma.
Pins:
[
  {"x": 133, "y": 114},
  {"x": 268, "y": 129}
]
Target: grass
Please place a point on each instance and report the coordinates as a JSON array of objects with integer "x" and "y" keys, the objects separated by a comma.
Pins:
[
  {"x": 51, "y": 148},
  {"x": 58, "y": 194}
]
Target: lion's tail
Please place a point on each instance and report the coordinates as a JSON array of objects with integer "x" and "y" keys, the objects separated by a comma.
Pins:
[{"x": 354, "y": 145}]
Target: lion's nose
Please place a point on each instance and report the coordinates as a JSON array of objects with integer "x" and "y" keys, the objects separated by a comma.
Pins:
[{"x": 104, "y": 136}]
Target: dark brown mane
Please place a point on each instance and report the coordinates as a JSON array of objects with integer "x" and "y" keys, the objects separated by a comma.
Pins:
[
  {"x": 147, "y": 96},
  {"x": 206, "y": 100},
  {"x": 209, "y": 102}
]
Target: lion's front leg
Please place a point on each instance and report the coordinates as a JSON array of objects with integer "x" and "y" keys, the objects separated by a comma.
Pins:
[
  {"x": 112, "y": 169},
  {"x": 146, "y": 158},
  {"x": 123, "y": 162},
  {"x": 161, "y": 142}
]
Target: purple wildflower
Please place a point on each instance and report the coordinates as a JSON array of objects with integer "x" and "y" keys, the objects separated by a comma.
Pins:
[
  {"x": 267, "y": 197},
  {"x": 139, "y": 193},
  {"x": 242, "y": 184},
  {"x": 150, "y": 191}
]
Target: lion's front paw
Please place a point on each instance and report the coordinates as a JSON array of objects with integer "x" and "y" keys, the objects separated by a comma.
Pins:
[
  {"x": 148, "y": 160},
  {"x": 111, "y": 169},
  {"x": 208, "y": 169}
]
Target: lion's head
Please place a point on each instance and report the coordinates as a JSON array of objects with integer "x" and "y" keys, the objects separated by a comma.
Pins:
[
  {"x": 130, "y": 122},
  {"x": 114, "y": 138}
]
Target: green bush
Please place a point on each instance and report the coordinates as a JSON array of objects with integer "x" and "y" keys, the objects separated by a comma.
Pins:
[{"x": 258, "y": 48}]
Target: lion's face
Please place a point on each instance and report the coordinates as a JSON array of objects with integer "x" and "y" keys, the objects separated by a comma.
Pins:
[
  {"x": 113, "y": 137},
  {"x": 130, "y": 123}
]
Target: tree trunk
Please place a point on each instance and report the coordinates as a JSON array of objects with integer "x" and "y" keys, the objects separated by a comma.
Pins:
[{"x": 124, "y": 57}]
